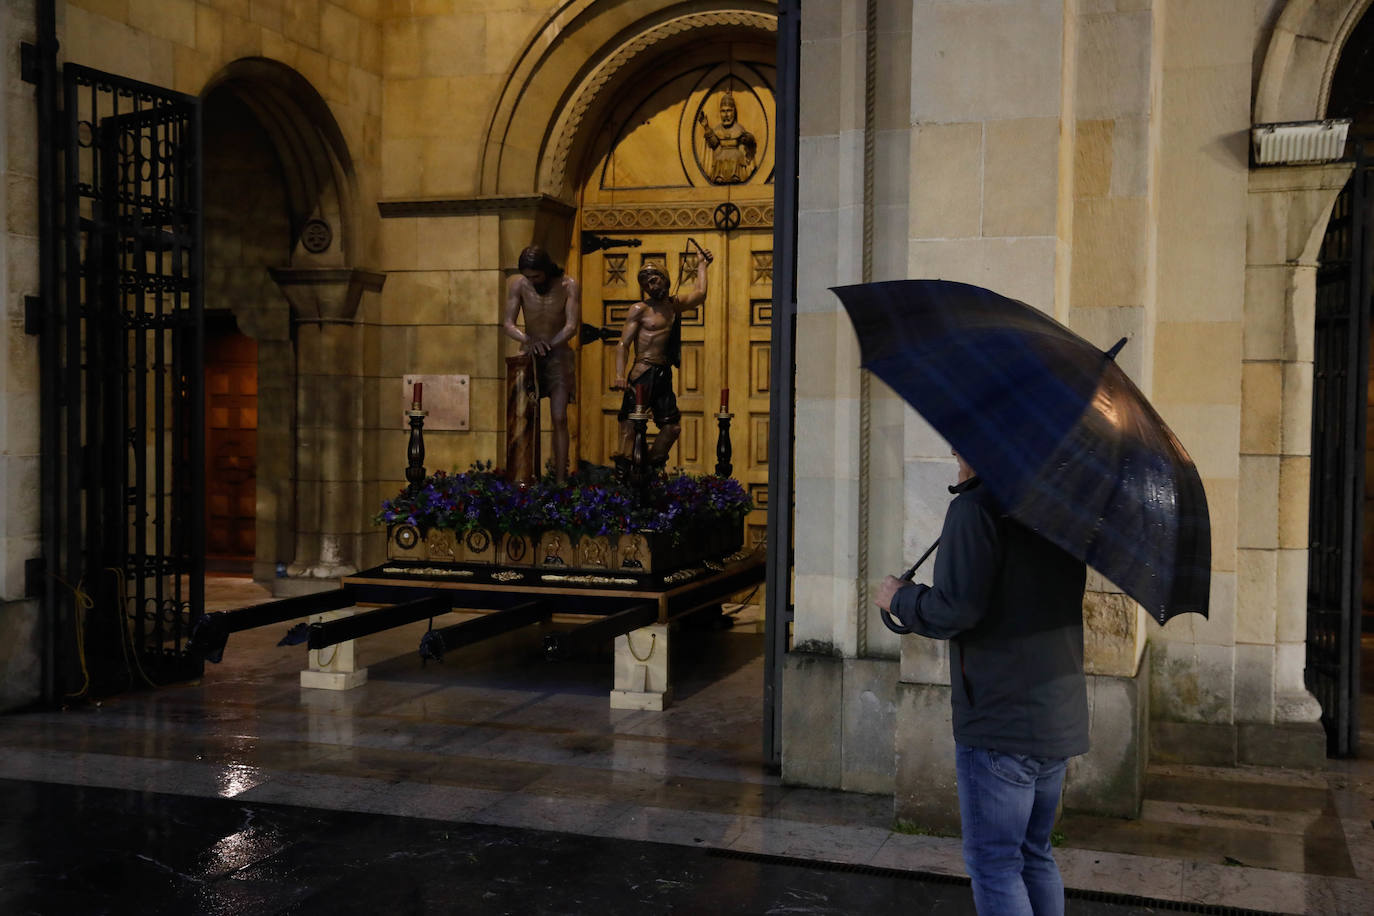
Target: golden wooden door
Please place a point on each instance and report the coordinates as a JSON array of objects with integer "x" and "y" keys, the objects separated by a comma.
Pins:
[{"x": 654, "y": 182}]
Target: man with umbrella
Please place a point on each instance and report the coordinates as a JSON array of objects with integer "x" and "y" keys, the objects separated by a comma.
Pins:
[
  {"x": 1011, "y": 605},
  {"x": 1074, "y": 467}
]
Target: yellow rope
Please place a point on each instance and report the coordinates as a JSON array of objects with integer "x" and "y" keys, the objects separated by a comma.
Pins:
[
  {"x": 126, "y": 638},
  {"x": 84, "y": 602}
]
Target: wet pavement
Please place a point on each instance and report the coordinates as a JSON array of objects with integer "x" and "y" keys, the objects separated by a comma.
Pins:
[
  {"x": 495, "y": 773},
  {"x": 82, "y": 850}
]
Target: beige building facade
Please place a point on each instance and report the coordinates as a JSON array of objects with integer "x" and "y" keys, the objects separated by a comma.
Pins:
[{"x": 1090, "y": 157}]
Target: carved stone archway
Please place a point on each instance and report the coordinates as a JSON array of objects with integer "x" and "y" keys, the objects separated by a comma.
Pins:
[
  {"x": 548, "y": 94},
  {"x": 552, "y": 97},
  {"x": 1295, "y": 79}
]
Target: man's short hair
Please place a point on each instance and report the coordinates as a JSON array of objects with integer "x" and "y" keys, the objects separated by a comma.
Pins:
[
  {"x": 648, "y": 270},
  {"x": 536, "y": 258}
]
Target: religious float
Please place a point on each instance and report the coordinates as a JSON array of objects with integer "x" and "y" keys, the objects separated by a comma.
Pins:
[
  {"x": 615, "y": 553},
  {"x": 593, "y": 529}
]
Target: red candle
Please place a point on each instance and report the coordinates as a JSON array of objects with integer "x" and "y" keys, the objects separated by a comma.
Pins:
[
  {"x": 415, "y": 398},
  {"x": 724, "y": 400}
]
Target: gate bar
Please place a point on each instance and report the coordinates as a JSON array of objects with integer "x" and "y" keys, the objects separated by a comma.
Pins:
[
  {"x": 332, "y": 632},
  {"x": 562, "y": 645},
  {"x": 435, "y": 643}
]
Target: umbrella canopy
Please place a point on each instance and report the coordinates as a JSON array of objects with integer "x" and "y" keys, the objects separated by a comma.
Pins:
[{"x": 1054, "y": 428}]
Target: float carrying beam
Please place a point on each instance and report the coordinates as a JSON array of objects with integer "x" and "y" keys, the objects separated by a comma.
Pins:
[
  {"x": 211, "y": 631},
  {"x": 569, "y": 642},
  {"x": 712, "y": 592},
  {"x": 333, "y": 632},
  {"x": 435, "y": 643}
]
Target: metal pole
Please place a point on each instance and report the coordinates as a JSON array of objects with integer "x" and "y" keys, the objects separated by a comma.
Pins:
[
  {"x": 49, "y": 298},
  {"x": 777, "y": 592}
]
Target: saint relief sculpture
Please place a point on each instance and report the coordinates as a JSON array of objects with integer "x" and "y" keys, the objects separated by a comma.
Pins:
[{"x": 730, "y": 149}]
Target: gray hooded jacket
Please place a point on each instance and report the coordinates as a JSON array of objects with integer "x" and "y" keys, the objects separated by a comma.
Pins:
[{"x": 1011, "y": 605}]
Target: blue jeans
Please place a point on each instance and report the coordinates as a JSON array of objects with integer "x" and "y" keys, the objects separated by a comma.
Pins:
[{"x": 1007, "y": 804}]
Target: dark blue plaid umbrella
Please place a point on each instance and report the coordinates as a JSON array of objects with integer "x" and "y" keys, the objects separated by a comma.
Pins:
[{"x": 1055, "y": 429}]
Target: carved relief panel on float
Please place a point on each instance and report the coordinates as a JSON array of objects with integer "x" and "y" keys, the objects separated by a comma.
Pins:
[{"x": 687, "y": 153}]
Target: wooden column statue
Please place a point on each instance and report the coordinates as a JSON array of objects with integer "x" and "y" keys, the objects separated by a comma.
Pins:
[
  {"x": 522, "y": 420},
  {"x": 552, "y": 307}
]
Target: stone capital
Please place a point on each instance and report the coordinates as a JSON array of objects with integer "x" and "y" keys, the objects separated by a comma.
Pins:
[{"x": 327, "y": 295}]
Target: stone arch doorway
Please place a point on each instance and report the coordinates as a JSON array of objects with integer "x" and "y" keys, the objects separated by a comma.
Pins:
[
  {"x": 1341, "y": 563},
  {"x": 548, "y": 130},
  {"x": 1289, "y": 287},
  {"x": 247, "y": 227},
  {"x": 281, "y": 228},
  {"x": 685, "y": 152}
]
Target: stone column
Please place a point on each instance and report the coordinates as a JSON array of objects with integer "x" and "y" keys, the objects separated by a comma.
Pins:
[
  {"x": 522, "y": 421},
  {"x": 1107, "y": 291},
  {"x": 987, "y": 166},
  {"x": 1276, "y": 717},
  {"x": 329, "y": 489}
]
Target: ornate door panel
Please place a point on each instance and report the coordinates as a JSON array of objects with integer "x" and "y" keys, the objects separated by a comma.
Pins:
[
  {"x": 231, "y": 447},
  {"x": 688, "y": 154},
  {"x": 749, "y": 329}
]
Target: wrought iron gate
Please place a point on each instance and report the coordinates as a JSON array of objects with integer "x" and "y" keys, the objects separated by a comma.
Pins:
[
  {"x": 1335, "y": 528},
  {"x": 123, "y": 399}
]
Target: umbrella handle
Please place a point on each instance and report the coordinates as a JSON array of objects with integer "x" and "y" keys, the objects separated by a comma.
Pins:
[
  {"x": 906, "y": 576},
  {"x": 888, "y": 620},
  {"x": 893, "y": 624}
]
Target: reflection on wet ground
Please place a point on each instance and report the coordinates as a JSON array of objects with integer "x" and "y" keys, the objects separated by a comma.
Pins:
[
  {"x": 76, "y": 850},
  {"x": 245, "y": 767}
]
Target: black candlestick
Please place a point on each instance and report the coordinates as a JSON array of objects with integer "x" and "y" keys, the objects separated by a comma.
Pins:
[
  {"x": 415, "y": 452},
  {"x": 723, "y": 449}
]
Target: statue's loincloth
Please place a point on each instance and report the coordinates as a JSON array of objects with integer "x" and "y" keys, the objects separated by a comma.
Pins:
[
  {"x": 662, "y": 403},
  {"x": 555, "y": 370}
]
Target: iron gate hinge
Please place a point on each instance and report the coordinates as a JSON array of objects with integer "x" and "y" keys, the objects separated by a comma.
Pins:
[
  {"x": 31, "y": 59},
  {"x": 33, "y": 315},
  {"x": 29, "y": 70},
  {"x": 592, "y": 242},
  {"x": 35, "y": 568}
]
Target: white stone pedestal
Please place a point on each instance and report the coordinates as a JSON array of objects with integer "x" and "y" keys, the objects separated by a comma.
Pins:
[
  {"x": 334, "y": 667},
  {"x": 641, "y": 669}
]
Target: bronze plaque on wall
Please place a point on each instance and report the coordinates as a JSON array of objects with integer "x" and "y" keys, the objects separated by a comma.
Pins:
[{"x": 446, "y": 397}]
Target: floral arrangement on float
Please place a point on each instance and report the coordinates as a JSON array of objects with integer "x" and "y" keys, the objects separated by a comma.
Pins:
[{"x": 593, "y": 521}]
